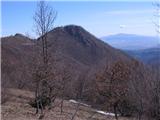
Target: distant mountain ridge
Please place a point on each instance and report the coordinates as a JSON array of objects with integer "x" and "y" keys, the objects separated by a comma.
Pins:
[
  {"x": 148, "y": 56},
  {"x": 131, "y": 41}
]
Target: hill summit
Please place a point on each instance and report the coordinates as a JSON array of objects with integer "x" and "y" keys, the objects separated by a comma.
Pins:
[{"x": 79, "y": 51}]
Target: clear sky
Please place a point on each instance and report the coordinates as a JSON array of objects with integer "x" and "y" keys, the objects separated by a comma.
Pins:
[{"x": 100, "y": 18}]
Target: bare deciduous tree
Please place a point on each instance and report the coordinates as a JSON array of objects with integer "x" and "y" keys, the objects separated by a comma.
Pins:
[
  {"x": 65, "y": 77},
  {"x": 80, "y": 89},
  {"x": 44, "y": 19},
  {"x": 112, "y": 84}
]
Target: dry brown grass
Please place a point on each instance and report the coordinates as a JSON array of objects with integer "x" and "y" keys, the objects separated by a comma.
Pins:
[{"x": 17, "y": 108}]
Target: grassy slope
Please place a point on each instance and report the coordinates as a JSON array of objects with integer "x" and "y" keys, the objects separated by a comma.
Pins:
[{"x": 16, "y": 108}]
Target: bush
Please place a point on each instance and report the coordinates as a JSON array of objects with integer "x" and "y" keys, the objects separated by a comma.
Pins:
[
  {"x": 126, "y": 108},
  {"x": 40, "y": 102}
]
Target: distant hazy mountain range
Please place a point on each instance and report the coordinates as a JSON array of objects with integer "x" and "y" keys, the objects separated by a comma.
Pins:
[
  {"x": 143, "y": 48},
  {"x": 131, "y": 41},
  {"x": 149, "y": 56}
]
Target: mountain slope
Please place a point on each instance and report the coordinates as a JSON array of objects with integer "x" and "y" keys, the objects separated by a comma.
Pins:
[
  {"x": 16, "y": 53},
  {"x": 17, "y": 108},
  {"x": 81, "y": 53},
  {"x": 75, "y": 42}
]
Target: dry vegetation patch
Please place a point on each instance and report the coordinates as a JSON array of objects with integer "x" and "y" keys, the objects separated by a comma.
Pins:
[{"x": 17, "y": 108}]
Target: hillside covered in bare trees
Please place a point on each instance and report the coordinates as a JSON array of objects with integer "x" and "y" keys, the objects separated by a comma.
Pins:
[
  {"x": 67, "y": 73},
  {"x": 88, "y": 62}
]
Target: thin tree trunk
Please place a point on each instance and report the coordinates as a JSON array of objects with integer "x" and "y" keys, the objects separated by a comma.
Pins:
[
  {"x": 77, "y": 108},
  {"x": 62, "y": 105},
  {"x": 115, "y": 110}
]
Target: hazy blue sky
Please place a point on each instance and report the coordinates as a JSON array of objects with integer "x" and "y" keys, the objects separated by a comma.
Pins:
[{"x": 100, "y": 18}]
